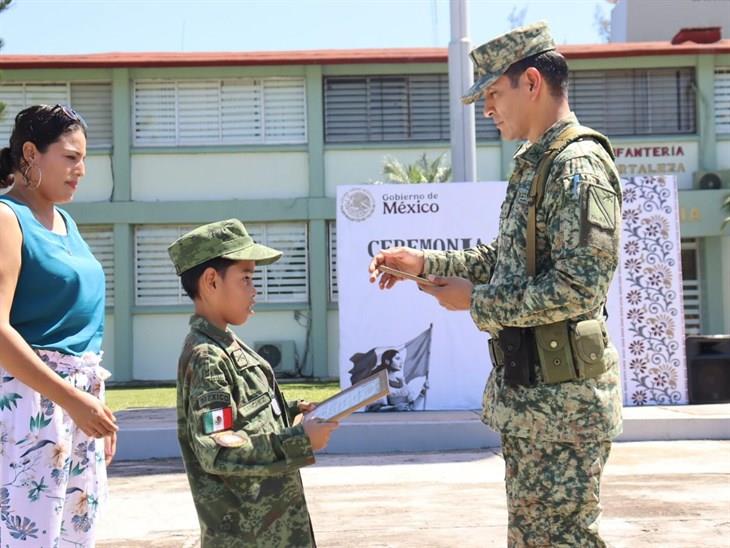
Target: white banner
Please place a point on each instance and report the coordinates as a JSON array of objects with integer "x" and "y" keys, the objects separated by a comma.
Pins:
[
  {"x": 438, "y": 359},
  {"x": 375, "y": 323}
]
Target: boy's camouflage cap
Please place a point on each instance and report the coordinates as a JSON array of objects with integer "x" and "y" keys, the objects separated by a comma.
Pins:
[
  {"x": 228, "y": 239},
  {"x": 494, "y": 58}
]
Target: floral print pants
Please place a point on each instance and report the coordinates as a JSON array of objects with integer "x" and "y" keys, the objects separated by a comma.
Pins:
[{"x": 52, "y": 475}]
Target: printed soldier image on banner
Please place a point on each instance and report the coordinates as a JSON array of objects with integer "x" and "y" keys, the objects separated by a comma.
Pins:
[{"x": 407, "y": 366}]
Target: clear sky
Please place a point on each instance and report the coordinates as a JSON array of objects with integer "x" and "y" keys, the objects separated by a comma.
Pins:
[{"x": 91, "y": 26}]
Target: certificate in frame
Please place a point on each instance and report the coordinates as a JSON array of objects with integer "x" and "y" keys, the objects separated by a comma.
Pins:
[{"x": 349, "y": 400}]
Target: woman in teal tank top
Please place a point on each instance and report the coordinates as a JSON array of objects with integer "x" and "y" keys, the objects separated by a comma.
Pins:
[{"x": 56, "y": 434}]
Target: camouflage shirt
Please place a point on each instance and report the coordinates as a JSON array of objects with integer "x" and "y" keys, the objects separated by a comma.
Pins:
[
  {"x": 577, "y": 255},
  {"x": 247, "y": 492}
]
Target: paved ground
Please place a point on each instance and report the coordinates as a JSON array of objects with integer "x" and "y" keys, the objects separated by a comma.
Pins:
[{"x": 668, "y": 494}]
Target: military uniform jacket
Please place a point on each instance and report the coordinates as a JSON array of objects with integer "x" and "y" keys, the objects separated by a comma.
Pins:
[
  {"x": 577, "y": 255},
  {"x": 245, "y": 481}
]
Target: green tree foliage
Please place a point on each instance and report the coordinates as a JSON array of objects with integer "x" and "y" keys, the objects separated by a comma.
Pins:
[{"x": 421, "y": 171}]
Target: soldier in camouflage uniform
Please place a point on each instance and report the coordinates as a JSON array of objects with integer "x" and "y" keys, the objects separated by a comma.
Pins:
[
  {"x": 241, "y": 442},
  {"x": 556, "y": 436}
]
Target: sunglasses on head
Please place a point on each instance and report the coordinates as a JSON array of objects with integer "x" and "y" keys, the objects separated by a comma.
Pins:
[{"x": 70, "y": 113}]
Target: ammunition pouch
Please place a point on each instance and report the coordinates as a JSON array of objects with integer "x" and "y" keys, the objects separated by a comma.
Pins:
[
  {"x": 564, "y": 351},
  {"x": 518, "y": 350}
]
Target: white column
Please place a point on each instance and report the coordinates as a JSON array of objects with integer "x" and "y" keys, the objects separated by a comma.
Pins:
[{"x": 461, "y": 77}]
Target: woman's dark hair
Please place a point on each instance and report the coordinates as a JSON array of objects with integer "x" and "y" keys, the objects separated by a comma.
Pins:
[
  {"x": 550, "y": 64},
  {"x": 387, "y": 358},
  {"x": 42, "y": 125},
  {"x": 189, "y": 278}
]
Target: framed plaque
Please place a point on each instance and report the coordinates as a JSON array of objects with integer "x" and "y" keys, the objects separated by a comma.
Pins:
[{"x": 351, "y": 399}]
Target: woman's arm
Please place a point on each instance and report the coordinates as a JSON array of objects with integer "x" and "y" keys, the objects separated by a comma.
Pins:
[{"x": 18, "y": 358}]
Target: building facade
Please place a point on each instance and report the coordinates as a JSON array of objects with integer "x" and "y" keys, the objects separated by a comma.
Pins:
[{"x": 177, "y": 140}]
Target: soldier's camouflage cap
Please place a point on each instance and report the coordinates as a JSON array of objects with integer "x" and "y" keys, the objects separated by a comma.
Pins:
[
  {"x": 492, "y": 59},
  {"x": 227, "y": 239}
]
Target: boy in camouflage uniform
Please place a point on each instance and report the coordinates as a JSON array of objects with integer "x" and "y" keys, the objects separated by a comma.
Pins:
[
  {"x": 556, "y": 434},
  {"x": 241, "y": 442}
]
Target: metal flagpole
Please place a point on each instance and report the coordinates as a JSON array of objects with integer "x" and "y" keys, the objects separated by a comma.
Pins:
[{"x": 461, "y": 77}]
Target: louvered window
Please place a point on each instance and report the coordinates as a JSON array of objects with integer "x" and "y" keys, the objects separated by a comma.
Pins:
[
  {"x": 635, "y": 101},
  {"x": 691, "y": 286},
  {"x": 391, "y": 108},
  {"x": 219, "y": 112},
  {"x": 100, "y": 239},
  {"x": 285, "y": 281},
  {"x": 332, "y": 256},
  {"x": 93, "y": 101},
  {"x": 722, "y": 100}
]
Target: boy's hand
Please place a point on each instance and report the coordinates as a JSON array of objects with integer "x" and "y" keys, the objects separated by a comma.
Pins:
[
  {"x": 306, "y": 406},
  {"x": 319, "y": 431}
]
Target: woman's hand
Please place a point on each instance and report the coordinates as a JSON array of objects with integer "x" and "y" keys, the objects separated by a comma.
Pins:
[
  {"x": 110, "y": 447},
  {"x": 93, "y": 417}
]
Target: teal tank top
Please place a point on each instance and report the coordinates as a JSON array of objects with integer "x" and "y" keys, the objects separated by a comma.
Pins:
[{"x": 59, "y": 298}]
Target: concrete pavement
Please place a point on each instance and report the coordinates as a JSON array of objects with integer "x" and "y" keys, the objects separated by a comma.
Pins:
[{"x": 668, "y": 494}]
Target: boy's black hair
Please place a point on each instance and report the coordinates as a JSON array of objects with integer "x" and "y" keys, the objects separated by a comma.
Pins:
[
  {"x": 189, "y": 278},
  {"x": 550, "y": 64}
]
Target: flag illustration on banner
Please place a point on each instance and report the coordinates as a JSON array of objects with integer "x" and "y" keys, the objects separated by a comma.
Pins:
[
  {"x": 217, "y": 420},
  {"x": 407, "y": 365}
]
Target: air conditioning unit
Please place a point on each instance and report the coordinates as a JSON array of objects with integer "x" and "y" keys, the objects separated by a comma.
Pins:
[
  {"x": 711, "y": 180},
  {"x": 281, "y": 355}
]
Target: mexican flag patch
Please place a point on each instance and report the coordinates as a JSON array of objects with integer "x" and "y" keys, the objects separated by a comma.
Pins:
[{"x": 217, "y": 420}]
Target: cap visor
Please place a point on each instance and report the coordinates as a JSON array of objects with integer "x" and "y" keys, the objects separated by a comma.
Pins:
[
  {"x": 261, "y": 254},
  {"x": 477, "y": 89}
]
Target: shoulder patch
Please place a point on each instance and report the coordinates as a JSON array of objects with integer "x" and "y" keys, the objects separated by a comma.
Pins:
[
  {"x": 218, "y": 420},
  {"x": 230, "y": 439},
  {"x": 601, "y": 210},
  {"x": 218, "y": 396}
]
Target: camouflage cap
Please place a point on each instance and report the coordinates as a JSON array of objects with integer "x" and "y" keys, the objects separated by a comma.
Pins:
[
  {"x": 227, "y": 239},
  {"x": 494, "y": 58}
]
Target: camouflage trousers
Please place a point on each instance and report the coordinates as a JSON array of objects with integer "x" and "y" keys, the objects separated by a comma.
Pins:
[{"x": 553, "y": 492}]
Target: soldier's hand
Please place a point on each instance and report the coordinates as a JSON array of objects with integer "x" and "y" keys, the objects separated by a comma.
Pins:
[
  {"x": 401, "y": 258},
  {"x": 319, "y": 432},
  {"x": 451, "y": 293}
]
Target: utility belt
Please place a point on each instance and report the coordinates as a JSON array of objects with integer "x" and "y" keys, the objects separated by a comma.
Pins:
[{"x": 563, "y": 351}]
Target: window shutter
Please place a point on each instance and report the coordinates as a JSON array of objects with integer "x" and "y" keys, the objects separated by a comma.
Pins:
[
  {"x": 47, "y": 94},
  {"x": 155, "y": 113},
  {"x": 13, "y": 96},
  {"x": 345, "y": 110},
  {"x": 220, "y": 112},
  {"x": 722, "y": 100},
  {"x": 94, "y": 103},
  {"x": 198, "y": 112},
  {"x": 691, "y": 288},
  {"x": 636, "y": 101},
  {"x": 241, "y": 111},
  {"x": 388, "y": 109},
  {"x": 332, "y": 236},
  {"x": 391, "y": 108},
  {"x": 91, "y": 100},
  {"x": 286, "y": 280},
  {"x": 429, "y": 107},
  {"x": 156, "y": 282},
  {"x": 285, "y": 110},
  {"x": 100, "y": 239}
]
